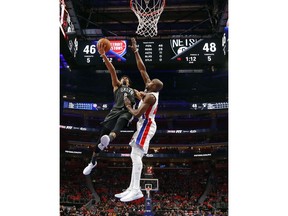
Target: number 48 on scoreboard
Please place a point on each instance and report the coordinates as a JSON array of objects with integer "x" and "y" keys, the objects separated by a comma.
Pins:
[{"x": 210, "y": 47}]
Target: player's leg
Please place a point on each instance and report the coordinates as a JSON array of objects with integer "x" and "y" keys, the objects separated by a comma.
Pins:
[
  {"x": 139, "y": 148},
  {"x": 93, "y": 161},
  {"x": 124, "y": 193},
  {"x": 119, "y": 125},
  {"x": 128, "y": 190},
  {"x": 137, "y": 165}
]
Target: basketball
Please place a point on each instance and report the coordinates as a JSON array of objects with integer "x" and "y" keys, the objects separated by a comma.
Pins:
[{"x": 106, "y": 42}]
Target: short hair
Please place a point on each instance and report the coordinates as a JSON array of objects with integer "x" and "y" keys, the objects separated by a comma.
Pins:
[
  {"x": 130, "y": 82},
  {"x": 159, "y": 84}
]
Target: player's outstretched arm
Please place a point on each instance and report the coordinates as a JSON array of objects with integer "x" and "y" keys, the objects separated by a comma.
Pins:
[
  {"x": 141, "y": 66},
  {"x": 148, "y": 101},
  {"x": 109, "y": 65}
]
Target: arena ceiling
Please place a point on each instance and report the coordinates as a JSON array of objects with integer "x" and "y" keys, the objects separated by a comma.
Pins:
[{"x": 180, "y": 17}]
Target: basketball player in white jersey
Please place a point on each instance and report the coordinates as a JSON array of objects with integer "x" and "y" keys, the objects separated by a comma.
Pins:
[{"x": 146, "y": 127}]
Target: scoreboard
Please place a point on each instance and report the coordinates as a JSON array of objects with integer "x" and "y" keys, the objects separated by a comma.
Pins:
[
  {"x": 88, "y": 54},
  {"x": 184, "y": 51},
  {"x": 158, "y": 52}
]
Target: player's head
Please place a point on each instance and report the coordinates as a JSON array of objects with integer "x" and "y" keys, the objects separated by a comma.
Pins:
[
  {"x": 154, "y": 85},
  {"x": 125, "y": 80}
]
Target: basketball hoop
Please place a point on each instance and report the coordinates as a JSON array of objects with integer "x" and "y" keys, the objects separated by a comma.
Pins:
[{"x": 148, "y": 13}]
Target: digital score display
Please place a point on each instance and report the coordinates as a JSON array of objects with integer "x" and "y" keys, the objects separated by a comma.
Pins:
[
  {"x": 108, "y": 106},
  {"x": 88, "y": 54},
  {"x": 193, "y": 51},
  {"x": 168, "y": 52},
  {"x": 182, "y": 51},
  {"x": 86, "y": 106},
  {"x": 209, "y": 106}
]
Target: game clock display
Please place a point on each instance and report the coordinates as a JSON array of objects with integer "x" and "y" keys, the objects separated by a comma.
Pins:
[
  {"x": 88, "y": 54},
  {"x": 187, "y": 51},
  {"x": 182, "y": 51}
]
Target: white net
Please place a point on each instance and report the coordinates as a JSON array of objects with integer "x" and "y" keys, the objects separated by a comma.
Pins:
[{"x": 148, "y": 13}]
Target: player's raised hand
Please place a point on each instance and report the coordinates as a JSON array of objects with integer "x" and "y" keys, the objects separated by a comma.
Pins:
[
  {"x": 101, "y": 48},
  {"x": 134, "y": 45}
]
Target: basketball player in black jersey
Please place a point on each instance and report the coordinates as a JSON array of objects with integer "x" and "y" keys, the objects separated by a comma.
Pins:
[{"x": 118, "y": 117}]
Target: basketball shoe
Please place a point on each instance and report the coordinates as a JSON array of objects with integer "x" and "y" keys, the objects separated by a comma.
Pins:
[
  {"x": 89, "y": 168},
  {"x": 124, "y": 193},
  {"x": 104, "y": 142},
  {"x": 133, "y": 195}
]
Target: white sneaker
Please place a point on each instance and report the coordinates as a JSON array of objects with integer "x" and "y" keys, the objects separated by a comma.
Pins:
[
  {"x": 124, "y": 193},
  {"x": 104, "y": 142},
  {"x": 133, "y": 195},
  {"x": 89, "y": 168}
]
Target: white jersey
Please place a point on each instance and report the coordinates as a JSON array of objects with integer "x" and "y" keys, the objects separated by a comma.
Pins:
[
  {"x": 146, "y": 126},
  {"x": 151, "y": 111}
]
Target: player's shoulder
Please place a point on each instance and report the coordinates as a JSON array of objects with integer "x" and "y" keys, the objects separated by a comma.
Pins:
[
  {"x": 153, "y": 94},
  {"x": 150, "y": 98}
]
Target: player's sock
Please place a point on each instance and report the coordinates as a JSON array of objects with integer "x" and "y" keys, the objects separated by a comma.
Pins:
[
  {"x": 96, "y": 152},
  {"x": 93, "y": 160},
  {"x": 97, "y": 149}
]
